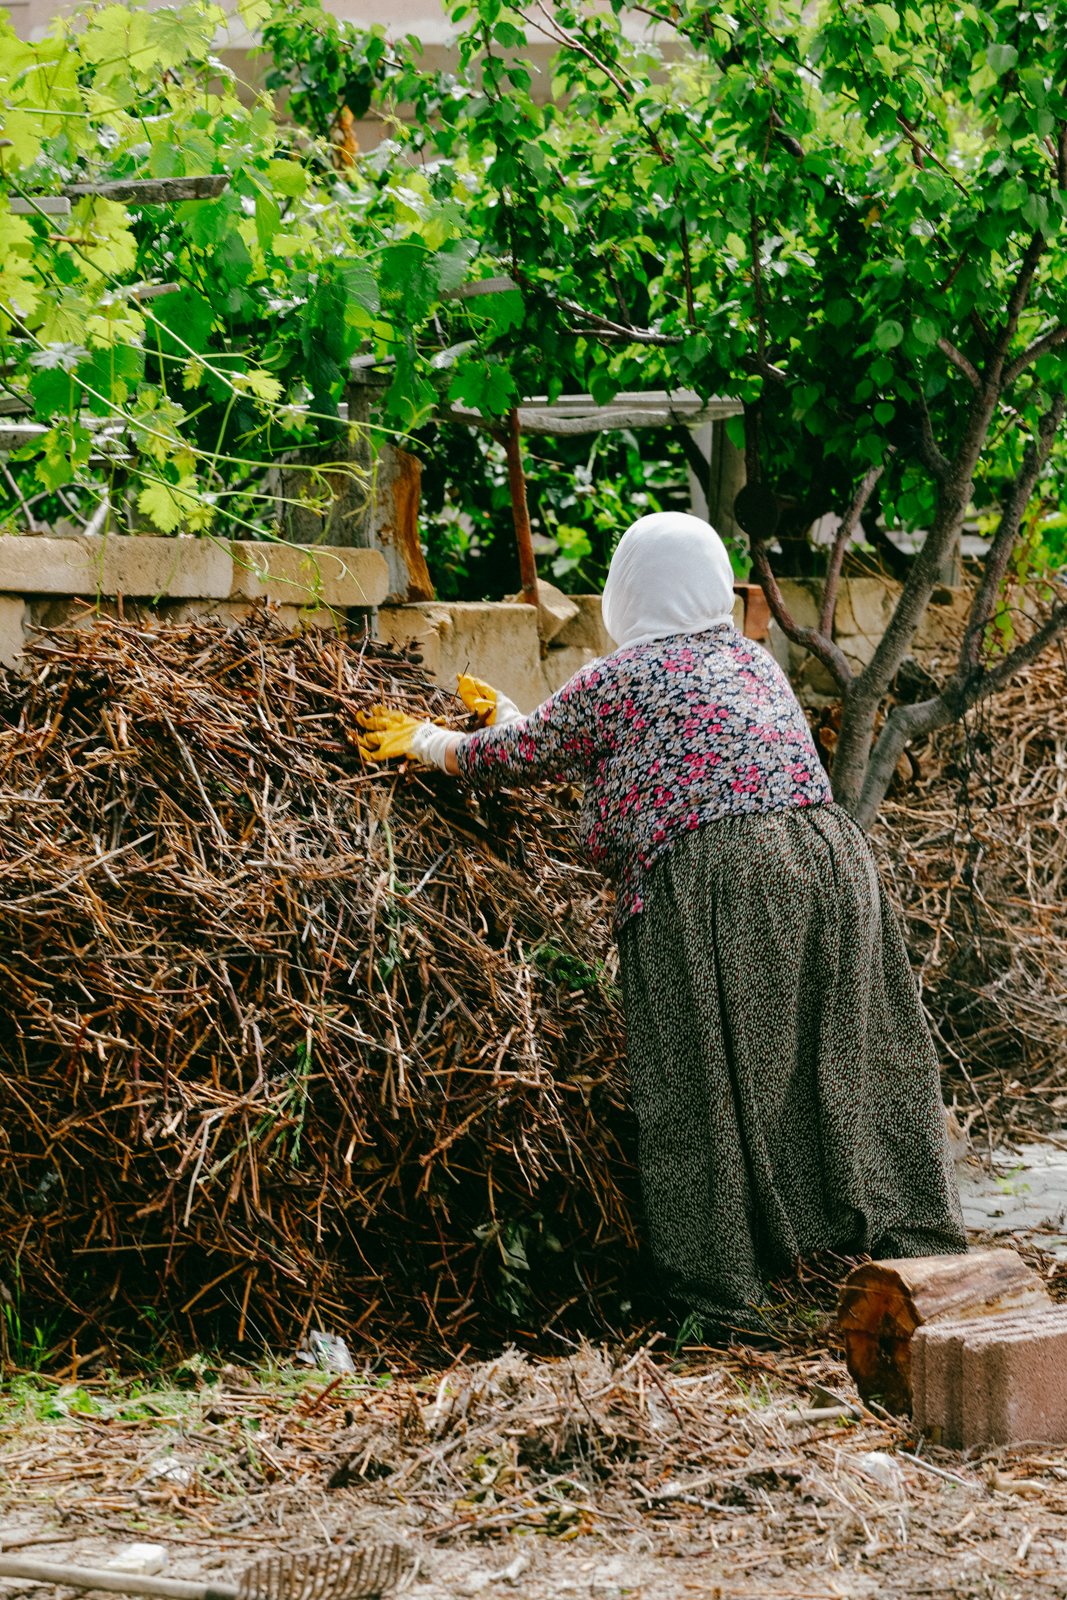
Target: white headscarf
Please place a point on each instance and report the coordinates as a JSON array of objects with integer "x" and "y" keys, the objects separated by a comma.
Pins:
[{"x": 670, "y": 574}]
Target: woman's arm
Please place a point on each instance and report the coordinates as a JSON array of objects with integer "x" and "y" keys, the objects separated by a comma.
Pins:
[{"x": 562, "y": 738}]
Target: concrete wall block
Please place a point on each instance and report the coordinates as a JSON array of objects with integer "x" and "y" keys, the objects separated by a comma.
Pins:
[
  {"x": 178, "y": 568},
  {"x": 864, "y": 606},
  {"x": 803, "y": 597},
  {"x": 12, "y": 637},
  {"x": 586, "y": 630},
  {"x": 995, "y": 1380},
  {"x": 497, "y": 642},
  {"x": 116, "y": 563},
  {"x": 558, "y": 666},
  {"x": 942, "y": 622},
  {"x": 554, "y": 610},
  {"x": 295, "y": 575}
]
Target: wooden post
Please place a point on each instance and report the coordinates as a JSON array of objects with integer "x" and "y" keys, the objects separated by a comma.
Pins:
[{"x": 519, "y": 511}]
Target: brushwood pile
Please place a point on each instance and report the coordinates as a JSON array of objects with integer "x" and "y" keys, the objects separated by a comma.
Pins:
[{"x": 289, "y": 1042}]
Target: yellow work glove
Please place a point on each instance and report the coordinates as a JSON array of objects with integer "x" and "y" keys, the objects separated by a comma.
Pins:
[
  {"x": 478, "y": 697},
  {"x": 388, "y": 733}
]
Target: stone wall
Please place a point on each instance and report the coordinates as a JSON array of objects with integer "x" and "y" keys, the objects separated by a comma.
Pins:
[
  {"x": 501, "y": 643},
  {"x": 528, "y": 653},
  {"x": 49, "y": 582},
  {"x": 864, "y": 607}
]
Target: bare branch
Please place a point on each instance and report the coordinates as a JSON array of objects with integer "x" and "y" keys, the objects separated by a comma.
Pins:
[
  {"x": 959, "y": 360},
  {"x": 757, "y": 284},
  {"x": 950, "y": 280},
  {"x": 615, "y": 330},
  {"x": 695, "y": 459},
  {"x": 1034, "y": 458},
  {"x": 794, "y": 146},
  {"x": 764, "y": 369},
  {"x": 687, "y": 266},
  {"x": 623, "y": 308},
  {"x": 831, "y": 656},
  {"x": 929, "y": 453},
  {"x": 554, "y": 31},
  {"x": 750, "y": 411},
  {"x": 907, "y": 723},
  {"x": 844, "y": 534},
  {"x": 1040, "y": 347},
  {"x": 1016, "y": 301},
  {"x": 613, "y": 336},
  {"x": 919, "y": 151}
]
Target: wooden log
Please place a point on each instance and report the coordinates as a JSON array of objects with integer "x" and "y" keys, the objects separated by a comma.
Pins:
[{"x": 882, "y": 1303}]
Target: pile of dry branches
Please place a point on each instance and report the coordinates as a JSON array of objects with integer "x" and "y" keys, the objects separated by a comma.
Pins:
[
  {"x": 286, "y": 1042},
  {"x": 974, "y": 855}
]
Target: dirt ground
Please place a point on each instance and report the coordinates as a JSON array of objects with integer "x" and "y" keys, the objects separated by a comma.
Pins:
[{"x": 642, "y": 1474}]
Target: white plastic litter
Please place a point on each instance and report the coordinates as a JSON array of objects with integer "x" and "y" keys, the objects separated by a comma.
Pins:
[
  {"x": 515, "y": 1569},
  {"x": 171, "y": 1471},
  {"x": 328, "y": 1351},
  {"x": 140, "y": 1558},
  {"x": 480, "y": 1579},
  {"x": 883, "y": 1470}
]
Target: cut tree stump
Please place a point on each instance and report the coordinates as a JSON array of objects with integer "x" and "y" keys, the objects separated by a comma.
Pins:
[{"x": 882, "y": 1303}]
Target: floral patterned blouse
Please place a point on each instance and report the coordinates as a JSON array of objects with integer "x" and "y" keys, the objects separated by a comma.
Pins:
[{"x": 666, "y": 736}]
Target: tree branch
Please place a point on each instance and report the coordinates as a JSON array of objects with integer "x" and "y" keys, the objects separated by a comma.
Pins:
[
  {"x": 623, "y": 308},
  {"x": 1034, "y": 458},
  {"x": 757, "y": 284},
  {"x": 928, "y": 452},
  {"x": 831, "y": 656},
  {"x": 1033, "y": 352},
  {"x": 687, "y": 268},
  {"x": 844, "y": 534},
  {"x": 959, "y": 360},
  {"x": 794, "y": 146},
  {"x": 764, "y": 368},
  {"x": 554, "y": 31},
  {"x": 615, "y": 330},
  {"x": 750, "y": 411},
  {"x": 1016, "y": 301},
  {"x": 907, "y": 723},
  {"x": 920, "y": 150}
]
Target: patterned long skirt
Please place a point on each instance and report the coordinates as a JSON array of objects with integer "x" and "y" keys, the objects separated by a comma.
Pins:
[{"x": 783, "y": 1077}]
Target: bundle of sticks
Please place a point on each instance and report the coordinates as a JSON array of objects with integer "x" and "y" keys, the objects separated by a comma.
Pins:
[
  {"x": 974, "y": 855},
  {"x": 288, "y": 1042}
]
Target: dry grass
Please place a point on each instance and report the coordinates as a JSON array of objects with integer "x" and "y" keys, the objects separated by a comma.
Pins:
[{"x": 608, "y": 1473}]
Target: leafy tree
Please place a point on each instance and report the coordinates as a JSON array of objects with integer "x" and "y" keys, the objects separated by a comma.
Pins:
[
  {"x": 582, "y": 492},
  {"x": 850, "y": 219},
  {"x": 171, "y": 353}
]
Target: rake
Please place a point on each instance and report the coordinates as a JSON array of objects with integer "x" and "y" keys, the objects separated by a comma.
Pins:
[{"x": 307, "y": 1575}]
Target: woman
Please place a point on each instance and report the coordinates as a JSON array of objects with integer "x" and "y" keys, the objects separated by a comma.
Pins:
[{"x": 784, "y": 1081}]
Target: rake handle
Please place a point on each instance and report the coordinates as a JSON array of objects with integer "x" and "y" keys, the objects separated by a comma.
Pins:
[{"x": 63, "y": 1572}]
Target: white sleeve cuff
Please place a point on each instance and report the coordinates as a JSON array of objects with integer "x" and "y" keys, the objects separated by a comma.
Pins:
[
  {"x": 431, "y": 744},
  {"x": 507, "y": 712}
]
